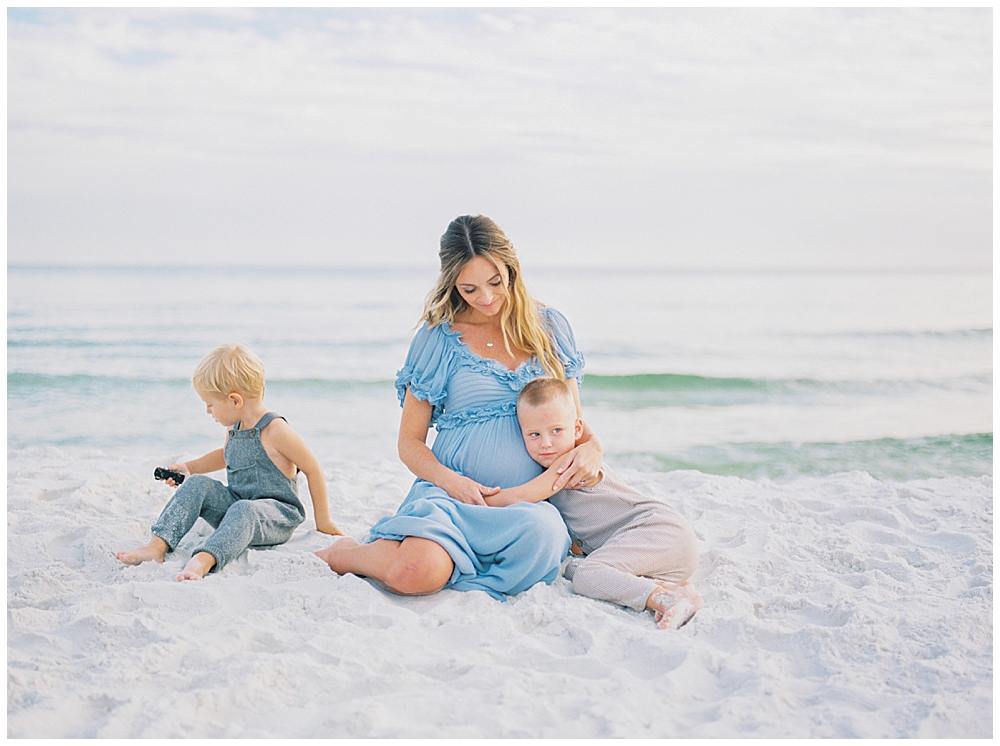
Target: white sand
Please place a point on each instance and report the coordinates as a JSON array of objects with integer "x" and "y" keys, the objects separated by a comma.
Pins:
[{"x": 840, "y": 606}]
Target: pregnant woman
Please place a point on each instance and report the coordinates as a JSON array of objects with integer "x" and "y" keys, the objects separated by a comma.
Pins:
[{"x": 483, "y": 338}]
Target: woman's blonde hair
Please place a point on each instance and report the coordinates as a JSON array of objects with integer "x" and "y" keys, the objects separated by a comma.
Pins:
[
  {"x": 466, "y": 238},
  {"x": 229, "y": 368}
]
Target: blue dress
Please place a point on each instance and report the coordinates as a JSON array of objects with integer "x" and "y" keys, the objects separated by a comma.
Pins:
[{"x": 497, "y": 550}]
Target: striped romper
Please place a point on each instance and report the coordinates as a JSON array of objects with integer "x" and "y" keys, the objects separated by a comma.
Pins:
[{"x": 632, "y": 542}]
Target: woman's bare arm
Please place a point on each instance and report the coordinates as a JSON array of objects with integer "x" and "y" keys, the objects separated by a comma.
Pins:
[{"x": 419, "y": 459}]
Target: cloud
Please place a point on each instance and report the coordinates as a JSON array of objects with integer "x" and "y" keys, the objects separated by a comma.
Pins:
[{"x": 169, "y": 102}]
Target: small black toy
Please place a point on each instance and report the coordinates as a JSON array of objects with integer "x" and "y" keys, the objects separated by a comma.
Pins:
[{"x": 164, "y": 474}]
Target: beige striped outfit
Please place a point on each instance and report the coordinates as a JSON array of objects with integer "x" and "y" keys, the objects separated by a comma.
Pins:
[{"x": 630, "y": 541}]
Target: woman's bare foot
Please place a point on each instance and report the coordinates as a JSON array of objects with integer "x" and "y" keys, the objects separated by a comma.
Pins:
[
  {"x": 411, "y": 567},
  {"x": 332, "y": 554},
  {"x": 674, "y": 605},
  {"x": 155, "y": 550},
  {"x": 197, "y": 567}
]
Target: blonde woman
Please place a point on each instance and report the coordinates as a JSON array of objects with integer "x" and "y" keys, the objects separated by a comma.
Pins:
[{"x": 482, "y": 339}]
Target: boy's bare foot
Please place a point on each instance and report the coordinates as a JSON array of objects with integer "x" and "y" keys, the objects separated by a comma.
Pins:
[
  {"x": 331, "y": 555},
  {"x": 197, "y": 567},
  {"x": 679, "y": 614},
  {"x": 155, "y": 550},
  {"x": 674, "y": 605}
]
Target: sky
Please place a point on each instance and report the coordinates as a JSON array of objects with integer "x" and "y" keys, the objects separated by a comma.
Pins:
[{"x": 652, "y": 137}]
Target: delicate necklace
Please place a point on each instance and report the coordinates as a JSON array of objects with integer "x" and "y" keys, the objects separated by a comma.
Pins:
[{"x": 489, "y": 344}]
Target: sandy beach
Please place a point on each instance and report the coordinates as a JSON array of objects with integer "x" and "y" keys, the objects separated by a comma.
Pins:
[
  {"x": 836, "y": 607},
  {"x": 770, "y": 232}
]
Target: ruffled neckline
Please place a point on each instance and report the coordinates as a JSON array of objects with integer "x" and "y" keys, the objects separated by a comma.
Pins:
[{"x": 484, "y": 364}]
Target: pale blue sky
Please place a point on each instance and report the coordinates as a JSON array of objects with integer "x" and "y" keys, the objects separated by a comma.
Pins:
[{"x": 672, "y": 137}]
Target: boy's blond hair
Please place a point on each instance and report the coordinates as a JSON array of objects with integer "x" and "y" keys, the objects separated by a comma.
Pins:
[
  {"x": 229, "y": 368},
  {"x": 543, "y": 391}
]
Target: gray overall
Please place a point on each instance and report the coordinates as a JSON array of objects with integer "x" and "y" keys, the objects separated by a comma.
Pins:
[{"x": 259, "y": 508}]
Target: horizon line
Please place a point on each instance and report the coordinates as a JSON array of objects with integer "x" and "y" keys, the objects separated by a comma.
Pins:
[{"x": 658, "y": 268}]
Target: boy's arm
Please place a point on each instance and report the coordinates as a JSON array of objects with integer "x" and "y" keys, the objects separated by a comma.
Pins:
[
  {"x": 213, "y": 461},
  {"x": 290, "y": 445},
  {"x": 210, "y": 462},
  {"x": 538, "y": 489}
]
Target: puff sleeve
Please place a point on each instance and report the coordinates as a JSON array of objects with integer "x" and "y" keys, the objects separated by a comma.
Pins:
[
  {"x": 427, "y": 368},
  {"x": 564, "y": 342}
]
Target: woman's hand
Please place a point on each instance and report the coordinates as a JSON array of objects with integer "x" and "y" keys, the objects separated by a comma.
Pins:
[
  {"x": 468, "y": 491},
  {"x": 581, "y": 467},
  {"x": 420, "y": 459}
]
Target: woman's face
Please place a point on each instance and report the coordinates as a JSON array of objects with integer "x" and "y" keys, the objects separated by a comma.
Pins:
[{"x": 483, "y": 286}]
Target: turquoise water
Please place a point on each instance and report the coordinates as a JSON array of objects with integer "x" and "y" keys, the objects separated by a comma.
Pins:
[
  {"x": 777, "y": 375},
  {"x": 667, "y": 389},
  {"x": 886, "y": 458}
]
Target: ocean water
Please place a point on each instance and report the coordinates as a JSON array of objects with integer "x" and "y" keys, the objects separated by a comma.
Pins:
[{"x": 774, "y": 375}]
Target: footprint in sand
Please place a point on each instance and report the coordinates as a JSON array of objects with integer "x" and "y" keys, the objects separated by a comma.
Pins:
[
  {"x": 66, "y": 548},
  {"x": 649, "y": 662}
]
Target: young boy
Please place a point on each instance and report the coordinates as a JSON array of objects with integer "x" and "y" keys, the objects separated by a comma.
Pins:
[
  {"x": 259, "y": 507},
  {"x": 639, "y": 551}
]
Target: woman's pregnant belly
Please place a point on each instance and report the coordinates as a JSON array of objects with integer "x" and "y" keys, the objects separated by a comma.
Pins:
[{"x": 491, "y": 452}]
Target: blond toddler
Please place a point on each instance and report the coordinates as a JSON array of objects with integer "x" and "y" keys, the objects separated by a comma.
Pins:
[
  {"x": 638, "y": 552},
  {"x": 259, "y": 505}
]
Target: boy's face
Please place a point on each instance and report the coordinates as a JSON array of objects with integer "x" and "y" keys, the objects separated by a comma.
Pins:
[
  {"x": 226, "y": 411},
  {"x": 550, "y": 430}
]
